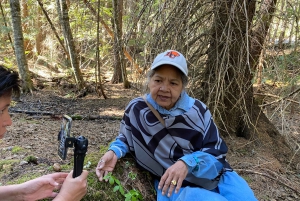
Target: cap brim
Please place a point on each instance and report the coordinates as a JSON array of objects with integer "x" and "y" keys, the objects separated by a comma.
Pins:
[{"x": 170, "y": 63}]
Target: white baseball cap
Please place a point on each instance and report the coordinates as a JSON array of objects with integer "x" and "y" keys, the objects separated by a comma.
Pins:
[{"x": 173, "y": 58}]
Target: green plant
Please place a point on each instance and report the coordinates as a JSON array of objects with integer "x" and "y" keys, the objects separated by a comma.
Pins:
[
  {"x": 132, "y": 195},
  {"x": 16, "y": 149},
  {"x": 88, "y": 165},
  {"x": 132, "y": 175},
  {"x": 31, "y": 159},
  {"x": 112, "y": 180}
]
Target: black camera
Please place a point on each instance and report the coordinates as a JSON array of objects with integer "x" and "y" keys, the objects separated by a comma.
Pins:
[{"x": 80, "y": 145}]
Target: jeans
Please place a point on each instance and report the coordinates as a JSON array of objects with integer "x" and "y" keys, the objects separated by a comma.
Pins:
[{"x": 231, "y": 187}]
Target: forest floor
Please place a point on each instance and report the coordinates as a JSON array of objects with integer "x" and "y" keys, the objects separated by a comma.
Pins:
[{"x": 36, "y": 135}]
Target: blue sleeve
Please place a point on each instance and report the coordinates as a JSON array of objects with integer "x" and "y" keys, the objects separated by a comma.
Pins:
[
  {"x": 202, "y": 165},
  {"x": 119, "y": 147}
]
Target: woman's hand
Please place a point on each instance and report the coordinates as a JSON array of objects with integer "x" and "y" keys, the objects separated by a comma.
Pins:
[
  {"x": 173, "y": 177},
  {"x": 42, "y": 187},
  {"x": 73, "y": 189},
  {"x": 106, "y": 164}
]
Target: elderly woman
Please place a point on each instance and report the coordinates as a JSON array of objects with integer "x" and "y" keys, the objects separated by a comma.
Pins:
[
  {"x": 70, "y": 189},
  {"x": 173, "y": 136}
]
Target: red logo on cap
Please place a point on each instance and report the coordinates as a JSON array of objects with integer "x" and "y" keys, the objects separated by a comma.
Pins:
[{"x": 172, "y": 54}]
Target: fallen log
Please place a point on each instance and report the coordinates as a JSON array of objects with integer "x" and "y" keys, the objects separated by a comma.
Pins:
[
  {"x": 12, "y": 110},
  {"x": 58, "y": 116}
]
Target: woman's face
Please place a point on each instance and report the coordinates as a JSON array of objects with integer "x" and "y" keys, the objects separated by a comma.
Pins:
[
  {"x": 5, "y": 119},
  {"x": 166, "y": 86}
]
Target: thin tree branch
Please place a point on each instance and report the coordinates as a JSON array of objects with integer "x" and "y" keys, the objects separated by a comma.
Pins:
[
  {"x": 53, "y": 29},
  {"x": 283, "y": 98},
  {"x": 270, "y": 177}
]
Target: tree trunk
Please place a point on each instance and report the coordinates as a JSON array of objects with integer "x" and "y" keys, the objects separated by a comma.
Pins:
[
  {"x": 99, "y": 85},
  {"x": 283, "y": 21},
  {"x": 39, "y": 35},
  {"x": 117, "y": 76},
  {"x": 232, "y": 57},
  {"x": 120, "y": 74},
  {"x": 5, "y": 24},
  {"x": 226, "y": 84},
  {"x": 278, "y": 24},
  {"x": 111, "y": 34},
  {"x": 27, "y": 85},
  {"x": 64, "y": 21},
  {"x": 25, "y": 14}
]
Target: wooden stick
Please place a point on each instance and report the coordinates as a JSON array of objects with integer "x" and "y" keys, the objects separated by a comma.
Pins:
[{"x": 270, "y": 177}]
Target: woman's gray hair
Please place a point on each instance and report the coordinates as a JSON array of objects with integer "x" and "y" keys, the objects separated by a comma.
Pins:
[{"x": 150, "y": 74}]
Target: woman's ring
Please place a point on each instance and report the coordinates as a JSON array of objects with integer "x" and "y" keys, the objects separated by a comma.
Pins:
[
  {"x": 101, "y": 161},
  {"x": 174, "y": 182}
]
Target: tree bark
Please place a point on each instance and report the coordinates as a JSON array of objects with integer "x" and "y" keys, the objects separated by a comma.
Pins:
[
  {"x": 39, "y": 35},
  {"x": 64, "y": 21},
  {"x": 119, "y": 65},
  {"x": 27, "y": 84},
  {"x": 232, "y": 56},
  {"x": 99, "y": 85},
  {"x": 27, "y": 44},
  {"x": 5, "y": 24}
]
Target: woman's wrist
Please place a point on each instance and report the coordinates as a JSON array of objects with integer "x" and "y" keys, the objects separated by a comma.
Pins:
[
  {"x": 62, "y": 197},
  {"x": 113, "y": 152},
  {"x": 12, "y": 192}
]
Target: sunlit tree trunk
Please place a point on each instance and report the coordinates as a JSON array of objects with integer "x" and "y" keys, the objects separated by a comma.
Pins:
[
  {"x": 25, "y": 14},
  {"x": 278, "y": 21},
  {"x": 39, "y": 34},
  {"x": 27, "y": 85},
  {"x": 284, "y": 24},
  {"x": 99, "y": 85},
  {"x": 120, "y": 74},
  {"x": 64, "y": 21},
  {"x": 117, "y": 62}
]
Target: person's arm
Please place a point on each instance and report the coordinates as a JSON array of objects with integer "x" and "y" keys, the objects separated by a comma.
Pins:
[
  {"x": 11, "y": 192},
  {"x": 202, "y": 165},
  {"x": 107, "y": 162},
  {"x": 72, "y": 189},
  {"x": 209, "y": 161},
  {"x": 121, "y": 145},
  {"x": 119, "y": 148},
  {"x": 39, "y": 188}
]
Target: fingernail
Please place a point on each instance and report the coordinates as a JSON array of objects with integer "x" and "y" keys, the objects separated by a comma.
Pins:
[
  {"x": 158, "y": 187},
  {"x": 169, "y": 195}
]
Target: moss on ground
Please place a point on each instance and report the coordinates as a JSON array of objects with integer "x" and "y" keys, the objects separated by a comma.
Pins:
[{"x": 17, "y": 149}]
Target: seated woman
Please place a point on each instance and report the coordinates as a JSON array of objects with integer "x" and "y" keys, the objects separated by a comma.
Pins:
[{"x": 174, "y": 137}]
